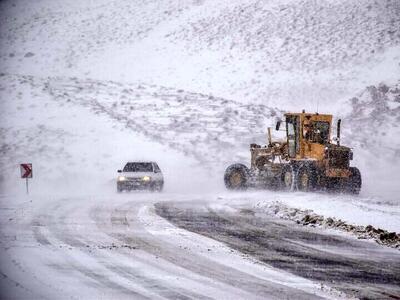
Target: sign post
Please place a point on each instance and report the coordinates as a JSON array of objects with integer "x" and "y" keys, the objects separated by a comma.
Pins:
[{"x": 26, "y": 172}]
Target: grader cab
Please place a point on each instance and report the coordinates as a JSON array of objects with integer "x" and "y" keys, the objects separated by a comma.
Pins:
[{"x": 306, "y": 160}]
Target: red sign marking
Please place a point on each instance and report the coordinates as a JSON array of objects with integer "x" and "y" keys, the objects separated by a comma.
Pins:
[{"x": 26, "y": 170}]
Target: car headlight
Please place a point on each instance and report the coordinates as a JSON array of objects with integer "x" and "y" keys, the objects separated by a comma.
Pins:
[
  {"x": 146, "y": 178},
  {"x": 121, "y": 178}
]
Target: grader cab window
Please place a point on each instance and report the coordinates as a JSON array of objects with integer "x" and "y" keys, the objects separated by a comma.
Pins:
[{"x": 319, "y": 132}]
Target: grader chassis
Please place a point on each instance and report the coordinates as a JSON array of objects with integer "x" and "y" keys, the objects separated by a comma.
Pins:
[{"x": 307, "y": 160}]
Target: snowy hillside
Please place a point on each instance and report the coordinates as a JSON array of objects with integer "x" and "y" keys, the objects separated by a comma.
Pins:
[
  {"x": 291, "y": 54},
  {"x": 77, "y": 138},
  {"x": 372, "y": 128},
  {"x": 211, "y": 130},
  {"x": 288, "y": 52},
  {"x": 204, "y": 78},
  {"x": 373, "y": 112}
]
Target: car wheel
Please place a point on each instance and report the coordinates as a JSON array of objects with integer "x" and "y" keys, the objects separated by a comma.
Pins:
[{"x": 157, "y": 187}]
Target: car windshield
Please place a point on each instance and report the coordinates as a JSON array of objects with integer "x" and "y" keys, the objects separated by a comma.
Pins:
[{"x": 138, "y": 167}]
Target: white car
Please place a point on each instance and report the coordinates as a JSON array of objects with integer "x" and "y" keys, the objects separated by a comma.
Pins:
[{"x": 139, "y": 176}]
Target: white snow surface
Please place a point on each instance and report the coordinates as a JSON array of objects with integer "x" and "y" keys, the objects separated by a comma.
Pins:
[{"x": 54, "y": 247}]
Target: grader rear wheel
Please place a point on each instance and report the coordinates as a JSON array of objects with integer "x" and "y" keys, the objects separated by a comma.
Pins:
[
  {"x": 354, "y": 183},
  {"x": 288, "y": 178},
  {"x": 306, "y": 179}
]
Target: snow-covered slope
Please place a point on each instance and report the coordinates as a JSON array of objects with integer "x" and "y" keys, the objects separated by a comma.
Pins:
[
  {"x": 76, "y": 147},
  {"x": 299, "y": 51},
  {"x": 374, "y": 119},
  {"x": 291, "y": 54},
  {"x": 202, "y": 77},
  {"x": 372, "y": 127}
]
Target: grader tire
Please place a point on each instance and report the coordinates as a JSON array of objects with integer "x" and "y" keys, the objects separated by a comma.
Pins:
[
  {"x": 288, "y": 178},
  {"x": 306, "y": 179},
  {"x": 354, "y": 183},
  {"x": 236, "y": 177}
]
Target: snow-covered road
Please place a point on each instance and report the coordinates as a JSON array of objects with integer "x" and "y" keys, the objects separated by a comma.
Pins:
[
  {"x": 360, "y": 269},
  {"x": 117, "y": 247}
]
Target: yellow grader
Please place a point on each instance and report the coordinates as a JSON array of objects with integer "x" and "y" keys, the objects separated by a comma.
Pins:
[{"x": 307, "y": 160}]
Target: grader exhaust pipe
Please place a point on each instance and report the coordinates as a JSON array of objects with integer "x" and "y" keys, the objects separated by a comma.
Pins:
[
  {"x": 269, "y": 137},
  {"x": 338, "y": 131}
]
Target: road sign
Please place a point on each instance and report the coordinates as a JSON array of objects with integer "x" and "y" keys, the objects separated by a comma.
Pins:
[{"x": 26, "y": 170}]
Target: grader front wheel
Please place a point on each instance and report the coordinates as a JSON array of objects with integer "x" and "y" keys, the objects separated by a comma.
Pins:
[{"x": 236, "y": 177}]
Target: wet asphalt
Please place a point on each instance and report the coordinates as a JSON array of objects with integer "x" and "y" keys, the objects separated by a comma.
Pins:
[{"x": 359, "y": 268}]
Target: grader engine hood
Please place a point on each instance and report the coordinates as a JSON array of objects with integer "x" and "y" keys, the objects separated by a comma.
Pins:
[
  {"x": 338, "y": 156},
  {"x": 338, "y": 160}
]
